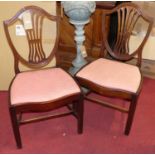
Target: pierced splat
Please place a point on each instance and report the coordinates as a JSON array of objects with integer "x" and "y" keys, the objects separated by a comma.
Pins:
[
  {"x": 34, "y": 36},
  {"x": 127, "y": 18},
  {"x": 128, "y": 14},
  {"x": 32, "y": 18}
]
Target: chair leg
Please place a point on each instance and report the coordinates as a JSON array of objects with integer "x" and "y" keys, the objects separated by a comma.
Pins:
[
  {"x": 15, "y": 127},
  {"x": 131, "y": 113},
  {"x": 80, "y": 108},
  {"x": 75, "y": 106}
]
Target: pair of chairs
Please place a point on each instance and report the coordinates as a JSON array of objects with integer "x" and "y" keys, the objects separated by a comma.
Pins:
[{"x": 46, "y": 89}]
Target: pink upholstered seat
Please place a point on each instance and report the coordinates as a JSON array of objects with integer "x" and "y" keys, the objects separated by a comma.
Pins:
[
  {"x": 42, "y": 85},
  {"x": 112, "y": 74}
]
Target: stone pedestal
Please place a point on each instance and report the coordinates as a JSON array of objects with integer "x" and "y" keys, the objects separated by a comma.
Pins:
[{"x": 78, "y": 13}]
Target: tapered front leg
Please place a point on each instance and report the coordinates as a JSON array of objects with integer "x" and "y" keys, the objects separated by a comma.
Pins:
[
  {"x": 131, "y": 113},
  {"x": 15, "y": 127}
]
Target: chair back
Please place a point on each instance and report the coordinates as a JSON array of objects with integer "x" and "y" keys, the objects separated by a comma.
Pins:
[
  {"x": 128, "y": 16},
  {"x": 32, "y": 19}
]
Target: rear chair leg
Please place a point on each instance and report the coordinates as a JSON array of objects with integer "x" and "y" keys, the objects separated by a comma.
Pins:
[
  {"x": 80, "y": 109},
  {"x": 15, "y": 127},
  {"x": 131, "y": 113}
]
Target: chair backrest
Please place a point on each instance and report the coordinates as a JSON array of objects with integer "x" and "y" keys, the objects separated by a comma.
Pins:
[
  {"x": 32, "y": 18},
  {"x": 128, "y": 14}
]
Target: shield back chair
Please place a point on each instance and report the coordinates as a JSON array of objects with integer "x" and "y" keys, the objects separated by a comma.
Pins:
[
  {"x": 41, "y": 89},
  {"x": 111, "y": 76}
]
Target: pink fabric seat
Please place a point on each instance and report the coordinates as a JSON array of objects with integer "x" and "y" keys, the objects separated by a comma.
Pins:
[
  {"x": 42, "y": 85},
  {"x": 112, "y": 74}
]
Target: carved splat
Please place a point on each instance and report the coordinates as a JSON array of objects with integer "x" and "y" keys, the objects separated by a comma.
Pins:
[
  {"x": 127, "y": 18},
  {"x": 36, "y": 57},
  {"x": 34, "y": 36},
  {"x": 128, "y": 14}
]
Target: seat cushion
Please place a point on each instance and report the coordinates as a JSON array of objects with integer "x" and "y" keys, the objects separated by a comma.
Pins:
[
  {"x": 112, "y": 74},
  {"x": 43, "y": 85}
]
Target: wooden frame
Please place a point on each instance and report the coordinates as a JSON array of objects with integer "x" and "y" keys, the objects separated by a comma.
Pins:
[
  {"x": 128, "y": 15},
  {"x": 120, "y": 56},
  {"x": 37, "y": 60}
]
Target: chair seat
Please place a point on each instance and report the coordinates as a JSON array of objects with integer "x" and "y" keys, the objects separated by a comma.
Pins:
[
  {"x": 43, "y": 85},
  {"x": 112, "y": 74}
]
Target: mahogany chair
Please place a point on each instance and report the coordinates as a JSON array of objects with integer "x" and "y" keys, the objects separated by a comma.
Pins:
[
  {"x": 113, "y": 77},
  {"x": 40, "y": 89}
]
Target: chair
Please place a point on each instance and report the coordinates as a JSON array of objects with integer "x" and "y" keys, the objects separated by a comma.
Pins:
[
  {"x": 111, "y": 76},
  {"x": 40, "y": 89}
]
